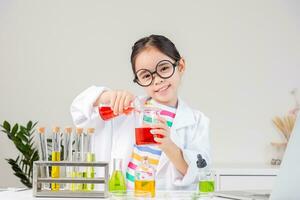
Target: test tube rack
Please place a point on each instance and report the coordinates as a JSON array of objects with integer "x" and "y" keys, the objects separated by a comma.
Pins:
[{"x": 38, "y": 180}]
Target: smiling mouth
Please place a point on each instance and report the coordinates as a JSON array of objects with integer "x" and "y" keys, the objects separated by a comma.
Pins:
[{"x": 163, "y": 88}]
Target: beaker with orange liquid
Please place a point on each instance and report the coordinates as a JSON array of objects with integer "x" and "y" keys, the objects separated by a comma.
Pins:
[{"x": 144, "y": 180}]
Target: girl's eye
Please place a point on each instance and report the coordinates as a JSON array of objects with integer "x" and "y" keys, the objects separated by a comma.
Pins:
[
  {"x": 146, "y": 76},
  {"x": 165, "y": 68}
]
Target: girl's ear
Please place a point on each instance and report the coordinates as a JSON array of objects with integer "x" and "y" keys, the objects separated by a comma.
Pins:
[{"x": 181, "y": 65}]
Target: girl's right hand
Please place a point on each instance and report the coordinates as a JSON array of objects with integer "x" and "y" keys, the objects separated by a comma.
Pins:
[{"x": 118, "y": 100}]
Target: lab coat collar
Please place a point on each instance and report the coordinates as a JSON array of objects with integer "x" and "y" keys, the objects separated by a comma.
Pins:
[{"x": 184, "y": 115}]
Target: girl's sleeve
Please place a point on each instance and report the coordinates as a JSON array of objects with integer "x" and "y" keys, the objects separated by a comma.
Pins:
[
  {"x": 83, "y": 112},
  {"x": 199, "y": 144}
]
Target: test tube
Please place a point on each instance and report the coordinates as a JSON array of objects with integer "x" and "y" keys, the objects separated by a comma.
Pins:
[
  {"x": 55, "y": 171},
  {"x": 89, "y": 157},
  {"x": 67, "y": 171},
  {"x": 68, "y": 144},
  {"x": 43, "y": 156},
  {"x": 78, "y": 157}
]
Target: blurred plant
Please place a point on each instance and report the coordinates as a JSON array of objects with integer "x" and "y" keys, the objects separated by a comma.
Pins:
[
  {"x": 286, "y": 123},
  {"x": 22, "y": 137}
]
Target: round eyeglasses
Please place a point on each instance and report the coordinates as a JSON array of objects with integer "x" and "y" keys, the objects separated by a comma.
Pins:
[{"x": 164, "y": 69}]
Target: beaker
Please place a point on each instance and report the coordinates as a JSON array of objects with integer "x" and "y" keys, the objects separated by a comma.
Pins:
[{"x": 145, "y": 119}]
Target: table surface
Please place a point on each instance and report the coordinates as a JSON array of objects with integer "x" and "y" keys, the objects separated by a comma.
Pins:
[{"x": 182, "y": 195}]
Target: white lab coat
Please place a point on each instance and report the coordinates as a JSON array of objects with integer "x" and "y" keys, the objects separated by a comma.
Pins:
[{"x": 115, "y": 138}]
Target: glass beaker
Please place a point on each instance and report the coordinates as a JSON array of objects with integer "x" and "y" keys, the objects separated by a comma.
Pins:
[{"x": 144, "y": 121}]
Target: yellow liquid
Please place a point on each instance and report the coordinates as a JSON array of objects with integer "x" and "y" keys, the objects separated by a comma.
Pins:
[
  {"x": 73, "y": 185},
  {"x": 90, "y": 172},
  {"x": 55, "y": 172},
  {"x": 77, "y": 186},
  {"x": 144, "y": 187}
]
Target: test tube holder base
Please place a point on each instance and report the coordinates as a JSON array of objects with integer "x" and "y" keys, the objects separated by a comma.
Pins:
[{"x": 39, "y": 191}]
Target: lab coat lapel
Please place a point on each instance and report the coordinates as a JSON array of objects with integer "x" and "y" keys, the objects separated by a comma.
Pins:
[{"x": 184, "y": 117}]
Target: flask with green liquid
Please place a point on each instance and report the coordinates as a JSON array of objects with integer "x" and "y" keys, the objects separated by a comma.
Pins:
[
  {"x": 117, "y": 182},
  {"x": 206, "y": 176}
]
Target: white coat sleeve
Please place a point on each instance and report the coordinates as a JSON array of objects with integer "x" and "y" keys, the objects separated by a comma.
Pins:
[
  {"x": 83, "y": 113},
  {"x": 199, "y": 144}
]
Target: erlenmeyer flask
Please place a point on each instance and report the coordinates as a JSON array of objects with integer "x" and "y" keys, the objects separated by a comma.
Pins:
[
  {"x": 106, "y": 112},
  {"x": 117, "y": 181}
]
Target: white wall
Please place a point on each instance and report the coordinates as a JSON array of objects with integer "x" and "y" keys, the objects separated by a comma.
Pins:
[{"x": 243, "y": 58}]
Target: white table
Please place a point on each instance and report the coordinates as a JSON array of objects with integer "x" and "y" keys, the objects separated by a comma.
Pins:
[
  {"x": 27, "y": 195},
  {"x": 245, "y": 177}
]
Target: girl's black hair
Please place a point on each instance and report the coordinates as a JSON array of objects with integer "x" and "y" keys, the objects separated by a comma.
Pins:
[{"x": 160, "y": 42}]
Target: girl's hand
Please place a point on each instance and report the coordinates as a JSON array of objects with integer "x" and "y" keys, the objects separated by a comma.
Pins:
[
  {"x": 118, "y": 100},
  {"x": 172, "y": 151},
  {"x": 161, "y": 133}
]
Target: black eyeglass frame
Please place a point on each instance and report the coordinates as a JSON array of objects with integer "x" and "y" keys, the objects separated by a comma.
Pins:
[{"x": 136, "y": 80}]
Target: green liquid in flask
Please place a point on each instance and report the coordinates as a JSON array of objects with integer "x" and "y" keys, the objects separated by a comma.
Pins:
[
  {"x": 117, "y": 182},
  {"x": 206, "y": 186}
]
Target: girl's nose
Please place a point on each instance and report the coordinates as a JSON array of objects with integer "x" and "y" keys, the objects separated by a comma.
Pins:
[{"x": 157, "y": 80}]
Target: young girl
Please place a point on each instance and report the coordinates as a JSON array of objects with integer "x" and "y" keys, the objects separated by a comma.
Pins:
[{"x": 158, "y": 68}]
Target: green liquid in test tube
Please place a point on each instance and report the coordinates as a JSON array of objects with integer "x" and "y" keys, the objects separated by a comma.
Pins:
[
  {"x": 89, "y": 150},
  {"x": 77, "y": 172}
]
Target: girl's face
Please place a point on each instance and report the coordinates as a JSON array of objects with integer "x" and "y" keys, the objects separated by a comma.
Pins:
[{"x": 164, "y": 91}]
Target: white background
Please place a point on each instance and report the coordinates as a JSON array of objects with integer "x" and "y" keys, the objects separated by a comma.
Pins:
[{"x": 243, "y": 59}]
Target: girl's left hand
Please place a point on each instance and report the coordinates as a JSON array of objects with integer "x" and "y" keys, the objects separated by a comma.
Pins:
[{"x": 161, "y": 133}]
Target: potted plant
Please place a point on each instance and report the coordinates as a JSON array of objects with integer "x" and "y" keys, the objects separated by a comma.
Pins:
[{"x": 23, "y": 139}]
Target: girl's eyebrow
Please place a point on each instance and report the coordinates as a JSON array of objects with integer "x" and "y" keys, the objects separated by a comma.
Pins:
[
  {"x": 142, "y": 72},
  {"x": 162, "y": 63},
  {"x": 158, "y": 63},
  {"x": 150, "y": 69}
]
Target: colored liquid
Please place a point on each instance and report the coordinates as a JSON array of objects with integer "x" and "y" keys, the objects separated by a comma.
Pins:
[
  {"x": 144, "y": 136},
  {"x": 117, "y": 182},
  {"x": 73, "y": 185},
  {"x": 107, "y": 113},
  {"x": 206, "y": 186},
  {"x": 55, "y": 171},
  {"x": 77, "y": 186},
  {"x": 144, "y": 188},
  {"x": 90, "y": 172}
]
